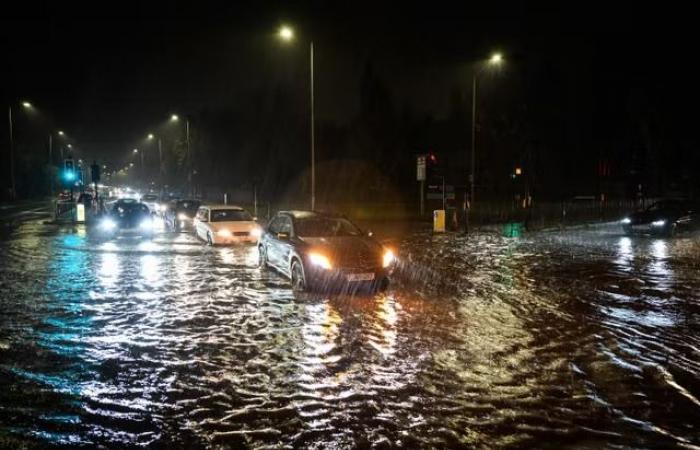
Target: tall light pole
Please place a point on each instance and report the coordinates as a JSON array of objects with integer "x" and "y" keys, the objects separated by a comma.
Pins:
[
  {"x": 160, "y": 158},
  {"x": 495, "y": 60},
  {"x": 188, "y": 155},
  {"x": 286, "y": 34},
  {"x": 13, "y": 191}
]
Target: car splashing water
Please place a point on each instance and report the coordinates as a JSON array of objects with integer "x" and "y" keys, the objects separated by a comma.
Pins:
[{"x": 587, "y": 339}]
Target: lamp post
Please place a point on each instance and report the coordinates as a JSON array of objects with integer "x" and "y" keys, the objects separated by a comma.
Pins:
[
  {"x": 160, "y": 158},
  {"x": 286, "y": 34},
  {"x": 188, "y": 155},
  {"x": 13, "y": 192},
  {"x": 495, "y": 60}
]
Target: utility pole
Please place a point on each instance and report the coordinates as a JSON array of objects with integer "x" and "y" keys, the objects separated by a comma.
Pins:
[
  {"x": 50, "y": 164},
  {"x": 313, "y": 137},
  {"x": 13, "y": 193}
]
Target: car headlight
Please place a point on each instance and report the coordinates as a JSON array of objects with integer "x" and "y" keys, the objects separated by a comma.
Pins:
[
  {"x": 108, "y": 224},
  {"x": 224, "y": 233},
  {"x": 658, "y": 223},
  {"x": 182, "y": 216},
  {"x": 146, "y": 224},
  {"x": 388, "y": 258},
  {"x": 319, "y": 260},
  {"x": 626, "y": 220},
  {"x": 256, "y": 232}
]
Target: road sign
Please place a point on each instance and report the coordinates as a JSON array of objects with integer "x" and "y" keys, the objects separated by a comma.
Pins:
[
  {"x": 420, "y": 168},
  {"x": 435, "y": 192}
]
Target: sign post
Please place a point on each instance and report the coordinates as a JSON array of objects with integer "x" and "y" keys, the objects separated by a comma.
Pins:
[{"x": 420, "y": 176}]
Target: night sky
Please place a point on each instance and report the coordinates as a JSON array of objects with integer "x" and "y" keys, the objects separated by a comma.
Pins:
[{"x": 109, "y": 76}]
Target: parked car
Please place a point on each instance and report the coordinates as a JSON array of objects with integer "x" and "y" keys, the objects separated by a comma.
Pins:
[
  {"x": 226, "y": 224},
  {"x": 664, "y": 218},
  {"x": 179, "y": 214},
  {"x": 128, "y": 216},
  {"x": 316, "y": 250}
]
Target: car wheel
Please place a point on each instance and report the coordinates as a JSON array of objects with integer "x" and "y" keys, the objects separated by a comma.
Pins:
[
  {"x": 262, "y": 256},
  {"x": 210, "y": 239},
  {"x": 298, "y": 279},
  {"x": 671, "y": 230}
]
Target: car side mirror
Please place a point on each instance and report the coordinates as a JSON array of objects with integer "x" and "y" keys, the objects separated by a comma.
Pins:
[{"x": 283, "y": 236}]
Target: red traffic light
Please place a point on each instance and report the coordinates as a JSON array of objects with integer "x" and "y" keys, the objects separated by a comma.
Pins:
[{"x": 432, "y": 157}]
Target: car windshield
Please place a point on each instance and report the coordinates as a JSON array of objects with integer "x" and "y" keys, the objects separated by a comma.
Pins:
[
  {"x": 665, "y": 206},
  {"x": 325, "y": 227},
  {"x": 230, "y": 215},
  {"x": 130, "y": 208},
  {"x": 187, "y": 205}
]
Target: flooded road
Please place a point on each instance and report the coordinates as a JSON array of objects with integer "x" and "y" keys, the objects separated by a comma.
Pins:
[{"x": 583, "y": 339}]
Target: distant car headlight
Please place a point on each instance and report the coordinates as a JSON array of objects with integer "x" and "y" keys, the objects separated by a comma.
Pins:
[
  {"x": 256, "y": 232},
  {"x": 182, "y": 216},
  {"x": 658, "y": 223},
  {"x": 108, "y": 224},
  {"x": 319, "y": 260},
  {"x": 388, "y": 258},
  {"x": 146, "y": 224},
  {"x": 224, "y": 233},
  {"x": 626, "y": 220}
]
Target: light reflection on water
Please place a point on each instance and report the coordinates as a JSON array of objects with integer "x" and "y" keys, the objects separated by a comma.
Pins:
[{"x": 173, "y": 344}]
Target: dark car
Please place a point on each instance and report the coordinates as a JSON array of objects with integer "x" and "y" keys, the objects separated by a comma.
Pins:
[
  {"x": 317, "y": 250},
  {"x": 180, "y": 213},
  {"x": 663, "y": 218},
  {"x": 127, "y": 215}
]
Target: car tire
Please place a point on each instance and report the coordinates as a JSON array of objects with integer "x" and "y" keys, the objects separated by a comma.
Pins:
[
  {"x": 262, "y": 257},
  {"x": 671, "y": 230},
  {"x": 298, "y": 278}
]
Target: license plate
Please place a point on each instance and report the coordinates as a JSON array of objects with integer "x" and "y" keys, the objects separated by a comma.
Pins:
[{"x": 360, "y": 276}]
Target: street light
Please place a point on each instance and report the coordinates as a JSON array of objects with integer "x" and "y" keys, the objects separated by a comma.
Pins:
[
  {"x": 495, "y": 60},
  {"x": 61, "y": 133},
  {"x": 27, "y": 105},
  {"x": 188, "y": 157},
  {"x": 286, "y": 34},
  {"x": 136, "y": 150},
  {"x": 150, "y": 137}
]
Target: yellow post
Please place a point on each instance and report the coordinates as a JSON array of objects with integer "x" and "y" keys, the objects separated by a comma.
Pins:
[{"x": 439, "y": 221}]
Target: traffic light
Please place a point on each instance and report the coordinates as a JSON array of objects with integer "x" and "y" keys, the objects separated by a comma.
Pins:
[
  {"x": 431, "y": 165},
  {"x": 95, "y": 172},
  {"x": 68, "y": 171}
]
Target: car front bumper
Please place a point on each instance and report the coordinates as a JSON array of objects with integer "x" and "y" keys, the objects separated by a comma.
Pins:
[
  {"x": 645, "y": 229},
  {"x": 352, "y": 279},
  {"x": 234, "y": 240}
]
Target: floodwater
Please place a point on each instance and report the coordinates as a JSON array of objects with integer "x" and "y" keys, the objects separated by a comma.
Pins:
[{"x": 582, "y": 339}]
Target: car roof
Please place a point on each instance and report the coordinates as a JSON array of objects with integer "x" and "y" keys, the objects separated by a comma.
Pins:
[
  {"x": 220, "y": 206},
  {"x": 305, "y": 214}
]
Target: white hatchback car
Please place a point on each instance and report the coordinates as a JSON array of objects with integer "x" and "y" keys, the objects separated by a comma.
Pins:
[{"x": 225, "y": 224}]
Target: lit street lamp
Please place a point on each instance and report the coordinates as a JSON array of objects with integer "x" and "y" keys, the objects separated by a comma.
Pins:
[
  {"x": 286, "y": 34},
  {"x": 150, "y": 137},
  {"x": 26, "y": 105},
  {"x": 495, "y": 60},
  {"x": 176, "y": 118}
]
